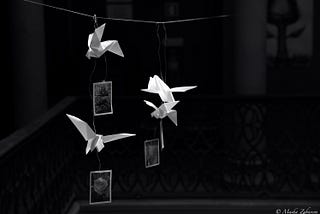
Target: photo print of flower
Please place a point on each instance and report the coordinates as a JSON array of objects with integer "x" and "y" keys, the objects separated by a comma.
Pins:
[{"x": 100, "y": 187}]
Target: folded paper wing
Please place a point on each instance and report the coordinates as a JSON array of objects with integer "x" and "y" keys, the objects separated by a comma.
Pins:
[
  {"x": 94, "y": 40},
  {"x": 152, "y": 86},
  {"x": 150, "y": 104},
  {"x": 112, "y": 46},
  {"x": 82, "y": 127},
  {"x": 113, "y": 137},
  {"x": 95, "y": 140},
  {"x": 156, "y": 85},
  {"x": 98, "y": 48},
  {"x": 99, "y": 32},
  {"x": 100, "y": 140},
  {"x": 164, "y": 110},
  {"x": 182, "y": 88},
  {"x": 165, "y": 92}
]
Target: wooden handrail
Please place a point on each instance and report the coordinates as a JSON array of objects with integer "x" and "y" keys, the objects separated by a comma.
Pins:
[{"x": 23, "y": 133}]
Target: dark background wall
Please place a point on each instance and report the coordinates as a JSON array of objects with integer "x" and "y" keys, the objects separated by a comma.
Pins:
[{"x": 205, "y": 53}]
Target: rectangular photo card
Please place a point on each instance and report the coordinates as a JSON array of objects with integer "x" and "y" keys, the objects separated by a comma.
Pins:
[
  {"x": 100, "y": 187},
  {"x": 151, "y": 153},
  {"x": 102, "y": 98}
]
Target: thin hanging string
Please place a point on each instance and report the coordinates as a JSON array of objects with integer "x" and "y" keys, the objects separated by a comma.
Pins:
[
  {"x": 95, "y": 25},
  {"x": 90, "y": 79},
  {"x": 59, "y": 8},
  {"x": 94, "y": 62},
  {"x": 105, "y": 60},
  {"x": 158, "y": 50},
  {"x": 165, "y": 51},
  {"x": 155, "y": 130},
  {"x": 91, "y": 94},
  {"x": 104, "y": 56},
  {"x": 161, "y": 69},
  {"x": 165, "y": 22},
  {"x": 97, "y": 154},
  {"x": 128, "y": 20}
]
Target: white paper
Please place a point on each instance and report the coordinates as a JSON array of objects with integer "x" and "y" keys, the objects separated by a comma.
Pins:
[
  {"x": 161, "y": 135},
  {"x": 95, "y": 140},
  {"x": 164, "y": 110},
  {"x": 98, "y": 48},
  {"x": 157, "y": 86}
]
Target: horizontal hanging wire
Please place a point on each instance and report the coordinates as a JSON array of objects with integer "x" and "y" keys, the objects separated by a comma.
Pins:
[{"x": 127, "y": 20}]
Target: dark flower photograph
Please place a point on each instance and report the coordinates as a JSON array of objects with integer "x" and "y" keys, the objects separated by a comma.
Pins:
[{"x": 100, "y": 187}]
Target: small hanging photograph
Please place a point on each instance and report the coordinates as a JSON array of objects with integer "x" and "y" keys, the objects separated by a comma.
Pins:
[
  {"x": 100, "y": 187},
  {"x": 151, "y": 153},
  {"x": 102, "y": 98}
]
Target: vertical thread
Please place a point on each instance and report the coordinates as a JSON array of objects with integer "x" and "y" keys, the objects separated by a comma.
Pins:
[
  {"x": 95, "y": 25},
  {"x": 97, "y": 154},
  {"x": 91, "y": 94},
  {"x": 105, "y": 61},
  {"x": 165, "y": 51},
  {"x": 90, "y": 79},
  {"x": 155, "y": 131},
  {"x": 159, "y": 48}
]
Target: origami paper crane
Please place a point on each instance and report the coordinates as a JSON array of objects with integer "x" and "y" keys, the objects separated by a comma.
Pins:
[
  {"x": 157, "y": 86},
  {"x": 98, "y": 48},
  {"x": 94, "y": 140},
  {"x": 164, "y": 110}
]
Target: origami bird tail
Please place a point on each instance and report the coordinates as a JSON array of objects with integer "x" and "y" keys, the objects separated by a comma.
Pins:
[
  {"x": 173, "y": 117},
  {"x": 115, "y": 48}
]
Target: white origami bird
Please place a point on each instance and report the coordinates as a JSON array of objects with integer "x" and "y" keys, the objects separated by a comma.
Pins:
[
  {"x": 98, "y": 48},
  {"x": 164, "y": 110},
  {"x": 157, "y": 86},
  {"x": 94, "y": 140}
]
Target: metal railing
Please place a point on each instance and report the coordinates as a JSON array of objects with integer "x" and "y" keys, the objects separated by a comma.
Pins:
[
  {"x": 37, "y": 165},
  {"x": 236, "y": 147}
]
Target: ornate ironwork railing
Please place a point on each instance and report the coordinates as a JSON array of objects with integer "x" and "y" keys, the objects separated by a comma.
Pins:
[
  {"x": 37, "y": 166},
  {"x": 237, "y": 147}
]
